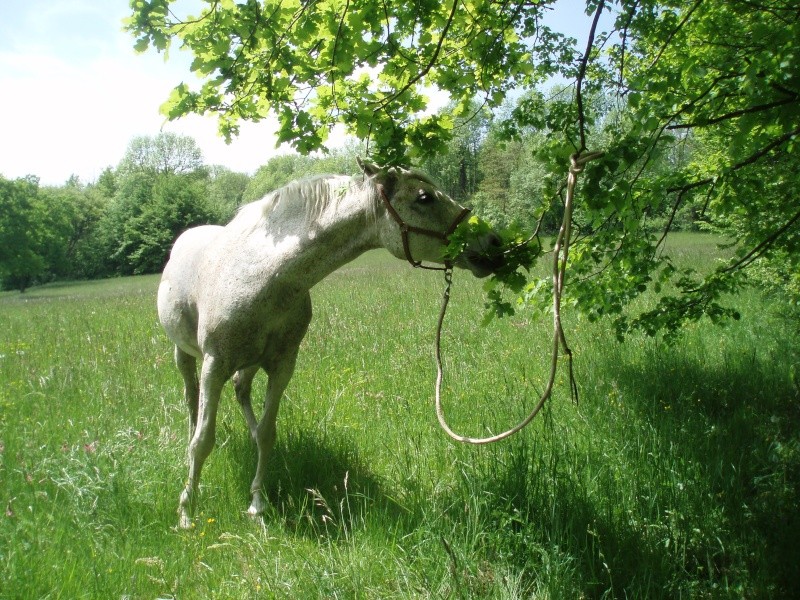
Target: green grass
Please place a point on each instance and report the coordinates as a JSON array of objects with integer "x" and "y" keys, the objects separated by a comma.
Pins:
[{"x": 676, "y": 475}]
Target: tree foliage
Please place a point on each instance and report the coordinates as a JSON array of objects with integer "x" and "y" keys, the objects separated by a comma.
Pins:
[
  {"x": 725, "y": 77},
  {"x": 457, "y": 170},
  {"x": 282, "y": 169},
  {"x": 720, "y": 78},
  {"x": 358, "y": 62},
  {"x": 164, "y": 154},
  {"x": 226, "y": 190},
  {"x": 161, "y": 188},
  {"x": 21, "y": 259},
  {"x": 124, "y": 223}
]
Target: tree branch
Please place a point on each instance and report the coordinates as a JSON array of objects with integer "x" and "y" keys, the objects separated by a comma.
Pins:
[
  {"x": 761, "y": 248},
  {"x": 333, "y": 54},
  {"x": 426, "y": 69},
  {"x": 674, "y": 33},
  {"x": 740, "y": 165},
  {"x": 673, "y": 213},
  {"x": 582, "y": 74},
  {"x": 624, "y": 43},
  {"x": 734, "y": 114}
]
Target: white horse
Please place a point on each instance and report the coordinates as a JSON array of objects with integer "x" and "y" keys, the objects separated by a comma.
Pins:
[{"x": 237, "y": 297}]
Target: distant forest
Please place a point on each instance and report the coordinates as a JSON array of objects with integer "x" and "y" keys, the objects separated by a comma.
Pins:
[{"x": 125, "y": 222}]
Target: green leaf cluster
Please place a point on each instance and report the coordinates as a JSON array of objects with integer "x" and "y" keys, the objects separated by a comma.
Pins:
[
  {"x": 365, "y": 64},
  {"x": 518, "y": 254}
]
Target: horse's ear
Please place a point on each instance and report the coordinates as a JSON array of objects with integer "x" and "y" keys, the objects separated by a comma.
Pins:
[
  {"x": 369, "y": 168},
  {"x": 383, "y": 176}
]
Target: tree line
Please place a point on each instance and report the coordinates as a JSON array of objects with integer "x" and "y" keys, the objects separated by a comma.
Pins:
[{"x": 124, "y": 223}]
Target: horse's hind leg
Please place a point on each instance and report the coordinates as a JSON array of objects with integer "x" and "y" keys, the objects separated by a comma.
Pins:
[
  {"x": 243, "y": 383},
  {"x": 187, "y": 365},
  {"x": 212, "y": 378}
]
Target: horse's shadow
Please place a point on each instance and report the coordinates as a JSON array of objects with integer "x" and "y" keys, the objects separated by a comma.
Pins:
[{"x": 317, "y": 485}]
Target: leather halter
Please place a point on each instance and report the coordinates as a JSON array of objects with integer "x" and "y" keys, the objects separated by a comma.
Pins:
[{"x": 405, "y": 229}]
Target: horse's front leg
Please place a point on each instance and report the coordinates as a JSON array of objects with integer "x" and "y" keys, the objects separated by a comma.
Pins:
[
  {"x": 279, "y": 367},
  {"x": 212, "y": 378},
  {"x": 243, "y": 383},
  {"x": 266, "y": 431}
]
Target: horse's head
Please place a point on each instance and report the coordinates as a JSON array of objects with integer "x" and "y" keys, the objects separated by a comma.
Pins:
[{"x": 419, "y": 219}]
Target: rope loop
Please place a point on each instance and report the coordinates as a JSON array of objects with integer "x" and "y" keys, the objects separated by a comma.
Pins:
[{"x": 560, "y": 257}]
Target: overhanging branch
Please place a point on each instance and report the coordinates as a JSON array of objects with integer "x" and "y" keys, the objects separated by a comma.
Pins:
[
  {"x": 582, "y": 74},
  {"x": 753, "y": 158},
  {"x": 734, "y": 114}
]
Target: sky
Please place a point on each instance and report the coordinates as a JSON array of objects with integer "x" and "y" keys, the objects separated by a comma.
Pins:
[{"x": 74, "y": 93}]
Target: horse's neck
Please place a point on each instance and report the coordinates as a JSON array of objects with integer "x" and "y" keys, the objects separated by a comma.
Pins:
[{"x": 310, "y": 249}]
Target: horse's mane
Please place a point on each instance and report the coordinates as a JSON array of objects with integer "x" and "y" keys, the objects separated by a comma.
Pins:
[{"x": 310, "y": 196}]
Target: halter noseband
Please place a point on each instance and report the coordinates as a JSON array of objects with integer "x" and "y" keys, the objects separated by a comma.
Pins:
[{"x": 405, "y": 229}]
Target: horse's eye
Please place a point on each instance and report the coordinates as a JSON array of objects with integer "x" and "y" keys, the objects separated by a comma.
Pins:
[{"x": 424, "y": 197}]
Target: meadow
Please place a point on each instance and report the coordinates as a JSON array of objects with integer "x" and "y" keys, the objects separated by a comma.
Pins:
[{"x": 675, "y": 475}]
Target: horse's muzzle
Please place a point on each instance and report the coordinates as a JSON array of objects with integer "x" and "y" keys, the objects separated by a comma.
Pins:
[{"x": 484, "y": 257}]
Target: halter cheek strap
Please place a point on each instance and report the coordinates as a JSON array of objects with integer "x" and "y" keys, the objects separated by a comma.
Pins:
[{"x": 406, "y": 229}]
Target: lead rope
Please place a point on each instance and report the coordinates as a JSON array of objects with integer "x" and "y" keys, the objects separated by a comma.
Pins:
[{"x": 560, "y": 255}]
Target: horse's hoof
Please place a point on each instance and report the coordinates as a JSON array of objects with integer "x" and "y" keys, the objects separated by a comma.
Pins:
[
  {"x": 185, "y": 520},
  {"x": 256, "y": 518},
  {"x": 257, "y": 506}
]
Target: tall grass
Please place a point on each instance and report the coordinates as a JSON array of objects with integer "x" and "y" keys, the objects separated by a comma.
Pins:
[{"x": 676, "y": 474}]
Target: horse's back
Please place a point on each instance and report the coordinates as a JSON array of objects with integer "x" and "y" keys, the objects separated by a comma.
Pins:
[
  {"x": 179, "y": 281},
  {"x": 194, "y": 240}
]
